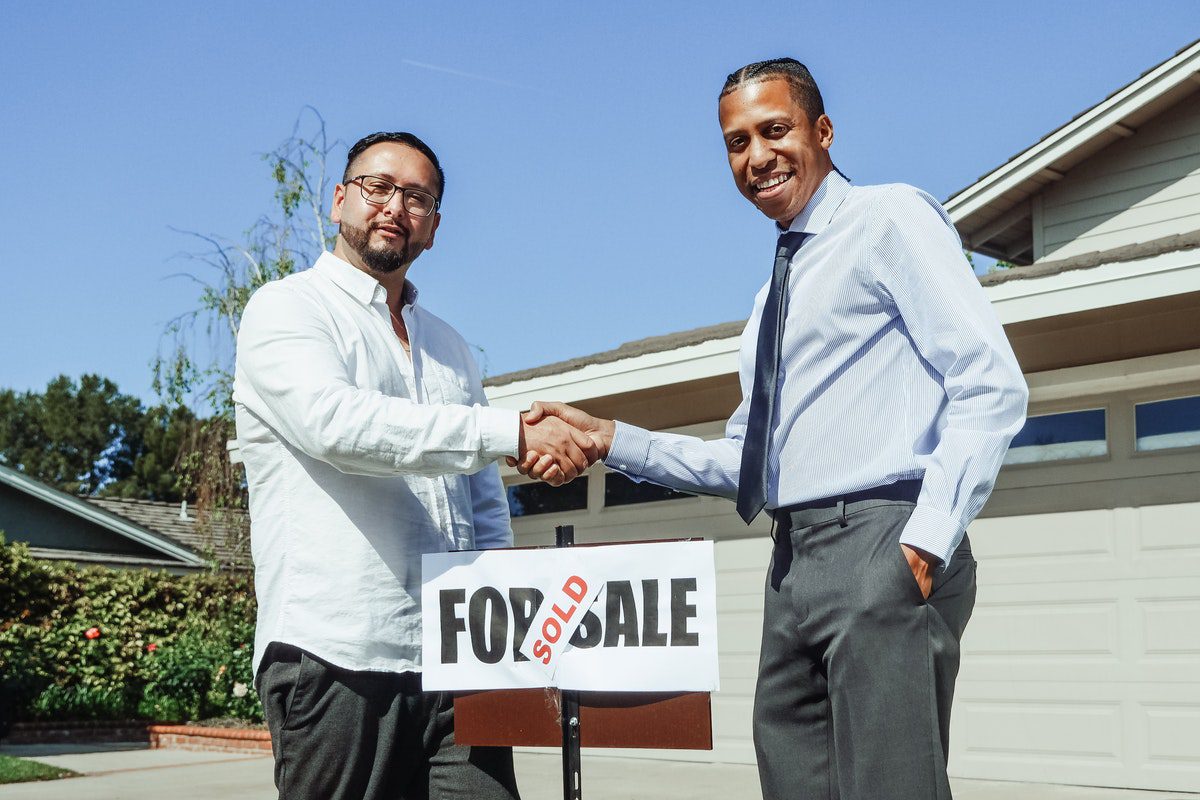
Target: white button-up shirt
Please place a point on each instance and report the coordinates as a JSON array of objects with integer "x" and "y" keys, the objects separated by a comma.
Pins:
[
  {"x": 359, "y": 460},
  {"x": 893, "y": 366}
]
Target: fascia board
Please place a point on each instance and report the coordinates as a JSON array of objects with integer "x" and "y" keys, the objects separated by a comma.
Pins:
[
  {"x": 1099, "y": 287},
  {"x": 98, "y": 516},
  {"x": 704, "y": 360},
  {"x": 1114, "y": 376},
  {"x": 1075, "y": 133},
  {"x": 1014, "y": 301}
]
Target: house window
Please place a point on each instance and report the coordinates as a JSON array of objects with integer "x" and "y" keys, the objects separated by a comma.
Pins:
[
  {"x": 1164, "y": 424},
  {"x": 622, "y": 491},
  {"x": 527, "y": 499},
  {"x": 1058, "y": 437}
]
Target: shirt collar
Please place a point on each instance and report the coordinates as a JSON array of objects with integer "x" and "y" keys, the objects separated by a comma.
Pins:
[
  {"x": 819, "y": 210},
  {"x": 358, "y": 284}
]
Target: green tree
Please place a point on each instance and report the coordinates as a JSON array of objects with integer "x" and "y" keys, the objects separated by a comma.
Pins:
[
  {"x": 290, "y": 235},
  {"x": 198, "y": 370},
  {"x": 76, "y": 437},
  {"x": 159, "y": 439}
]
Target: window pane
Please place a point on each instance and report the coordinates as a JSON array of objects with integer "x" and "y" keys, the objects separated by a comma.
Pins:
[
  {"x": 1055, "y": 437},
  {"x": 621, "y": 491},
  {"x": 1168, "y": 423},
  {"x": 526, "y": 499}
]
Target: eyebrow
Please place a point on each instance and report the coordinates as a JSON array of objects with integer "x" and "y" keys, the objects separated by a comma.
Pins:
[{"x": 394, "y": 180}]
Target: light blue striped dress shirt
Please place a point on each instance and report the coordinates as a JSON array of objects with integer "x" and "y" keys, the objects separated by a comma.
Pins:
[{"x": 893, "y": 366}]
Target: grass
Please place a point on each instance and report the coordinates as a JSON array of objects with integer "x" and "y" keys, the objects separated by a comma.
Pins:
[{"x": 19, "y": 770}]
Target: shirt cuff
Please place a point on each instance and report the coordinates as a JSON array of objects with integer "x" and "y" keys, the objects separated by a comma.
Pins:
[
  {"x": 501, "y": 430},
  {"x": 630, "y": 449},
  {"x": 932, "y": 531}
]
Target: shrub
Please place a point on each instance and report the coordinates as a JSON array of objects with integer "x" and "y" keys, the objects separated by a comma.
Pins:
[{"x": 96, "y": 643}]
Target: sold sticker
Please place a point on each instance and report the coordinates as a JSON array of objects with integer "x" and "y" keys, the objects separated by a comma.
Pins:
[{"x": 558, "y": 618}]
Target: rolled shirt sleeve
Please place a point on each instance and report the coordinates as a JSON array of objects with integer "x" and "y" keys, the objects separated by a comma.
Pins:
[{"x": 290, "y": 374}]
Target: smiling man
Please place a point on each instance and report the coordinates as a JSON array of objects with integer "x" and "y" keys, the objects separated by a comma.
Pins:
[
  {"x": 879, "y": 397},
  {"x": 367, "y": 442}
]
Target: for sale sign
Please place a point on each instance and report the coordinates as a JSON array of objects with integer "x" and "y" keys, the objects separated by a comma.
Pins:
[{"x": 633, "y": 617}]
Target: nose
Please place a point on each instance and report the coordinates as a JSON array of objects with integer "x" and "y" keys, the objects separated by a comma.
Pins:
[
  {"x": 760, "y": 154},
  {"x": 394, "y": 207}
]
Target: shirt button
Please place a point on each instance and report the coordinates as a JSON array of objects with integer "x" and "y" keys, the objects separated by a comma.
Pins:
[{"x": 624, "y": 467}]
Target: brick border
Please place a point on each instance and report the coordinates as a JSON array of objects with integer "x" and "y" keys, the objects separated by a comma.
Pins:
[
  {"x": 225, "y": 740},
  {"x": 69, "y": 732}
]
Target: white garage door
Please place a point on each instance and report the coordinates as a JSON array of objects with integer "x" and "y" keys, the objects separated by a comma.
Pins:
[{"x": 1082, "y": 661}]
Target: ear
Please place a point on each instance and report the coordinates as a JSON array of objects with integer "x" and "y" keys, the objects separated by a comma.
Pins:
[
  {"x": 339, "y": 197},
  {"x": 437, "y": 220},
  {"x": 824, "y": 128}
]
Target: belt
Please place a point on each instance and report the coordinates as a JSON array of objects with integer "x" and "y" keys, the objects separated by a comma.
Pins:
[{"x": 902, "y": 491}]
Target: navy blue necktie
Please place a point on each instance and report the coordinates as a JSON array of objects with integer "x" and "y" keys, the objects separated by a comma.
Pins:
[{"x": 752, "y": 483}]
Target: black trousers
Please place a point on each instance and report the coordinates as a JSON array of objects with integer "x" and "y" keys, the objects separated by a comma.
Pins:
[
  {"x": 343, "y": 735},
  {"x": 857, "y": 670}
]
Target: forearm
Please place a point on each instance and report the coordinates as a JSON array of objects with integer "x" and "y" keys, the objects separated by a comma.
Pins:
[{"x": 684, "y": 463}]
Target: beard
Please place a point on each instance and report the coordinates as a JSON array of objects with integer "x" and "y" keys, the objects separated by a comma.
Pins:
[{"x": 382, "y": 258}]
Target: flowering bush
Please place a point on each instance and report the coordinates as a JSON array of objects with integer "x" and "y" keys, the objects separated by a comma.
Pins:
[{"x": 96, "y": 643}]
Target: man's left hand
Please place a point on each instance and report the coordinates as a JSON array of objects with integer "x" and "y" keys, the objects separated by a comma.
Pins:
[{"x": 922, "y": 565}]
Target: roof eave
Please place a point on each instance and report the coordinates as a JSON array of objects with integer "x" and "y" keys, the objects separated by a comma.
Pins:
[
  {"x": 1033, "y": 167},
  {"x": 98, "y": 516}
]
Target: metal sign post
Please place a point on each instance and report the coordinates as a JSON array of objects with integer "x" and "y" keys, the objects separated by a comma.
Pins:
[
  {"x": 549, "y": 717},
  {"x": 564, "y": 536}
]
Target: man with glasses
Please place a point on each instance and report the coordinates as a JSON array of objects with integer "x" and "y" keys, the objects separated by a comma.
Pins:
[{"x": 367, "y": 442}]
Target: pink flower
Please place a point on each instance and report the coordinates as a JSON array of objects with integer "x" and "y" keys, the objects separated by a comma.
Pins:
[
  {"x": 150, "y": 648},
  {"x": 92, "y": 633}
]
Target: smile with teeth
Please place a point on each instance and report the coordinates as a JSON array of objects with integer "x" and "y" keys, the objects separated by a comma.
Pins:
[{"x": 771, "y": 183}]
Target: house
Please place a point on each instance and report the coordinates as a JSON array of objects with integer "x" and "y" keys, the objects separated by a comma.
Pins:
[
  {"x": 128, "y": 534},
  {"x": 1082, "y": 662}
]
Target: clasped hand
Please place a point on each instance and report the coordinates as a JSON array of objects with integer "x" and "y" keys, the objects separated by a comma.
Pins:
[{"x": 559, "y": 442}]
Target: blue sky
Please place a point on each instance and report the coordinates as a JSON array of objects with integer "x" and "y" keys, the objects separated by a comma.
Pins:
[{"x": 588, "y": 198}]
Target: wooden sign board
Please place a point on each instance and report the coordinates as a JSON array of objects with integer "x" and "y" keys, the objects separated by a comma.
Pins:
[{"x": 532, "y": 718}]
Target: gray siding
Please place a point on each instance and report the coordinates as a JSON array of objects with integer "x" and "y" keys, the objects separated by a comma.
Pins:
[
  {"x": 1141, "y": 188},
  {"x": 39, "y": 524}
]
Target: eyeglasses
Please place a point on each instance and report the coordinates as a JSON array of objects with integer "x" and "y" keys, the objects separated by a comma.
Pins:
[{"x": 379, "y": 191}]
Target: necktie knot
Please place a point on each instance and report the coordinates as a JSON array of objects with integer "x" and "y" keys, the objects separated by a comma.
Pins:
[{"x": 789, "y": 243}]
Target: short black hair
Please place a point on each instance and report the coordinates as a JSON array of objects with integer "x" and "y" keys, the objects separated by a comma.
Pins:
[
  {"x": 800, "y": 81},
  {"x": 399, "y": 137}
]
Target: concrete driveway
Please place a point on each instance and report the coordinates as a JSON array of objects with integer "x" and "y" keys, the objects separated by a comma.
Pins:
[{"x": 132, "y": 772}]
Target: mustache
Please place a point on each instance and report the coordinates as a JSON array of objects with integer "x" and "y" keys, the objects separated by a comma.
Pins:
[{"x": 404, "y": 230}]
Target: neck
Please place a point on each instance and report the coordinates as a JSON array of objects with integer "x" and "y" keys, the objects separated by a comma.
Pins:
[{"x": 392, "y": 282}]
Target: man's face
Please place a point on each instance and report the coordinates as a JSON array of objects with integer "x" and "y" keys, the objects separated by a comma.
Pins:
[
  {"x": 777, "y": 155},
  {"x": 386, "y": 237}
]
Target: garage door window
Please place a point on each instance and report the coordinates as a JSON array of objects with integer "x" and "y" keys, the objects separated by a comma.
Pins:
[
  {"x": 1165, "y": 424},
  {"x": 527, "y": 499},
  {"x": 621, "y": 491},
  {"x": 1058, "y": 437}
]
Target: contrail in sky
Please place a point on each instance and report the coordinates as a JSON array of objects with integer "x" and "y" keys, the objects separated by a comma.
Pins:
[{"x": 462, "y": 74}]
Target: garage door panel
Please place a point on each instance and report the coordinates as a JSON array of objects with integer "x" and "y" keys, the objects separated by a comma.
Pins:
[
  {"x": 1088, "y": 535},
  {"x": 1081, "y": 663},
  {"x": 1095, "y": 546},
  {"x": 739, "y": 583},
  {"x": 1172, "y": 735},
  {"x": 1171, "y": 627},
  {"x": 1079, "y": 733},
  {"x": 1031, "y": 628},
  {"x": 739, "y": 633},
  {"x": 744, "y": 554},
  {"x": 1169, "y": 528},
  {"x": 1084, "y": 631},
  {"x": 1085, "y": 730}
]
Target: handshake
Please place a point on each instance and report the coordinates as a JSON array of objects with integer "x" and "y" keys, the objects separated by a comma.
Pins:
[{"x": 558, "y": 442}]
